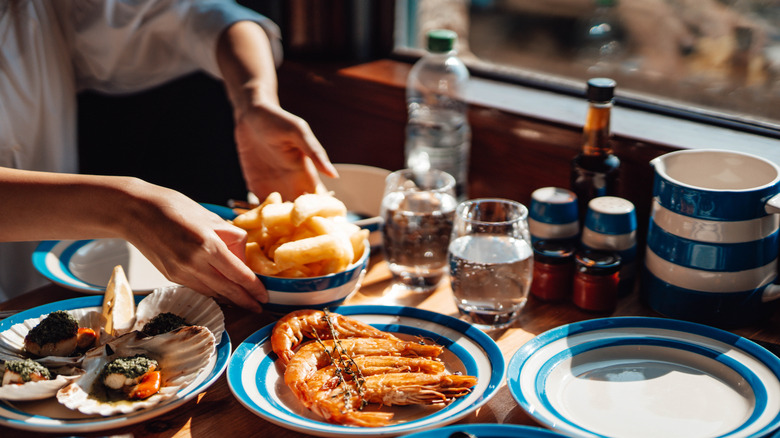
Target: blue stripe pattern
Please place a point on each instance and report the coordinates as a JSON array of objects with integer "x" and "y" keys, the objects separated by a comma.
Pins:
[
  {"x": 466, "y": 334},
  {"x": 542, "y": 378},
  {"x": 554, "y": 213},
  {"x": 610, "y": 223},
  {"x": 63, "y": 425},
  {"x": 719, "y": 205},
  {"x": 731, "y": 309},
  {"x": 721, "y": 257},
  {"x": 526, "y": 352}
]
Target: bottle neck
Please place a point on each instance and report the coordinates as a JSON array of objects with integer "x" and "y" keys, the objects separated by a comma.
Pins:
[{"x": 596, "y": 132}]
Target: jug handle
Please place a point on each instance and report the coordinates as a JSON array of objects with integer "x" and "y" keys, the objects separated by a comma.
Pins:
[
  {"x": 772, "y": 206},
  {"x": 772, "y": 292}
]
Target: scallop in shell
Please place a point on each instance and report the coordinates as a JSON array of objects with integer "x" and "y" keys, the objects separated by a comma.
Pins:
[
  {"x": 42, "y": 389},
  {"x": 195, "y": 308},
  {"x": 12, "y": 340},
  {"x": 181, "y": 354}
]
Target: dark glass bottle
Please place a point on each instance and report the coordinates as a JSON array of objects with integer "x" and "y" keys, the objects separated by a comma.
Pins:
[{"x": 594, "y": 171}]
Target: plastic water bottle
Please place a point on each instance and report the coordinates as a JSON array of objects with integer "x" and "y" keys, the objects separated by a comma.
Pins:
[
  {"x": 602, "y": 37},
  {"x": 438, "y": 135}
]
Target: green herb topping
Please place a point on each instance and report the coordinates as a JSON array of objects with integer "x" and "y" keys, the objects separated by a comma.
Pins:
[
  {"x": 163, "y": 323},
  {"x": 27, "y": 368},
  {"x": 130, "y": 367},
  {"x": 57, "y": 326}
]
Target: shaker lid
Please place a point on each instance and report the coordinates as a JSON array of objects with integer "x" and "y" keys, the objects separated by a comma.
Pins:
[
  {"x": 441, "y": 40},
  {"x": 601, "y": 89}
]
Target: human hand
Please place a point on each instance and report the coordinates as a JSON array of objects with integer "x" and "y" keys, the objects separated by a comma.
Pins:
[
  {"x": 279, "y": 152},
  {"x": 192, "y": 246}
]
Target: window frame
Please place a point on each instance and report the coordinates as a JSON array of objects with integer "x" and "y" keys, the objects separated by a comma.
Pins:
[{"x": 561, "y": 100}]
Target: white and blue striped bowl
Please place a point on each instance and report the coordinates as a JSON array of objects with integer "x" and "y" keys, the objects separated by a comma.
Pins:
[
  {"x": 288, "y": 294},
  {"x": 712, "y": 241}
]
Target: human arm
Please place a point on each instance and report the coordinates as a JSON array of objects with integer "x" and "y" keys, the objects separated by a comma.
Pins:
[
  {"x": 113, "y": 54},
  {"x": 278, "y": 150},
  {"x": 186, "y": 242}
]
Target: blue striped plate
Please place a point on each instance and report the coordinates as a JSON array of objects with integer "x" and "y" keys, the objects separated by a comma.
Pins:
[
  {"x": 49, "y": 416},
  {"x": 86, "y": 265},
  {"x": 647, "y": 377},
  {"x": 488, "y": 430},
  {"x": 257, "y": 380}
]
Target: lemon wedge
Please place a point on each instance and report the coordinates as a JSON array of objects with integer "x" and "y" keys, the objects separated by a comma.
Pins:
[{"x": 118, "y": 304}]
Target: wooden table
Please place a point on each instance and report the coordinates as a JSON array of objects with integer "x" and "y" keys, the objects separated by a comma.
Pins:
[{"x": 216, "y": 413}]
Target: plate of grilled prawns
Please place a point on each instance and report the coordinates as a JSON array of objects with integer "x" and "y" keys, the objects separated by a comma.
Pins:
[{"x": 365, "y": 370}]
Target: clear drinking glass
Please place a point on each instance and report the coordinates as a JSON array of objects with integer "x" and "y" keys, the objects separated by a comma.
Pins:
[
  {"x": 491, "y": 261},
  {"x": 417, "y": 212}
]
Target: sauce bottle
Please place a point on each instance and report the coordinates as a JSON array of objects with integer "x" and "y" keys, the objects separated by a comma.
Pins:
[
  {"x": 594, "y": 171},
  {"x": 596, "y": 278},
  {"x": 553, "y": 270}
]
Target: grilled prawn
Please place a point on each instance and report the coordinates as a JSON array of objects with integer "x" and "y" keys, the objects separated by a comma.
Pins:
[
  {"x": 294, "y": 327},
  {"x": 319, "y": 354},
  {"x": 343, "y": 403}
]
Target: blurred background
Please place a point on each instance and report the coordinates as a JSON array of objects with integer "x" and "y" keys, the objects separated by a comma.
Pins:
[{"x": 715, "y": 61}]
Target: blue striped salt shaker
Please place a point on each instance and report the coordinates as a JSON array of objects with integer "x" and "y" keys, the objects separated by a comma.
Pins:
[
  {"x": 610, "y": 224},
  {"x": 553, "y": 215}
]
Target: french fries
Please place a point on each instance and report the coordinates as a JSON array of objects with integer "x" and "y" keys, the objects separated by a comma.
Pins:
[{"x": 309, "y": 237}]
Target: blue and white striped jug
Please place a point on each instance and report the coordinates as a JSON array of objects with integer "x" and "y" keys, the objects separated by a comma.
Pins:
[{"x": 712, "y": 241}]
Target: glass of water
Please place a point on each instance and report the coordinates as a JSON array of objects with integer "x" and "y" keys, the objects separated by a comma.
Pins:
[
  {"x": 417, "y": 212},
  {"x": 491, "y": 261}
]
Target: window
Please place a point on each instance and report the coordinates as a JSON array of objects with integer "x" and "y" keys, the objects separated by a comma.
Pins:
[{"x": 712, "y": 60}]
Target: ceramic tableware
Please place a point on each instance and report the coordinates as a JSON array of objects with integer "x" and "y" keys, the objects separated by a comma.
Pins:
[
  {"x": 638, "y": 377},
  {"x": 610, "y": 225},
  {"x": 553, "y": 215},
  {"x": 712, "y": 238},
  {"x": 257, "y": 380}
]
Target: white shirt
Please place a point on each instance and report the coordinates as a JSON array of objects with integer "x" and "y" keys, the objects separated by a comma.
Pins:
[{"x": 51, "y": 49}]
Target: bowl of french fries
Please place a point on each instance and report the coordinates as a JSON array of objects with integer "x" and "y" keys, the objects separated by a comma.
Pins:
[{"x": 306, "y": 252}]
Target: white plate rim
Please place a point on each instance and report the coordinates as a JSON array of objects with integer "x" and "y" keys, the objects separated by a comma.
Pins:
[
  {"x": 678, "y": 331},
  {"x": 38, "y": 423},
  {"x": 52, "y": 258},
  {"x": 253, "y": 346}
]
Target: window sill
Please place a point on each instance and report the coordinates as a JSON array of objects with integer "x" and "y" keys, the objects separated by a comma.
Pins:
[{"x": 627, "y": 123}]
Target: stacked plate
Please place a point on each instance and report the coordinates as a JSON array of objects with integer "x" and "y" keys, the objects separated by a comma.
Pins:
[{"x": 647, "y": 377}]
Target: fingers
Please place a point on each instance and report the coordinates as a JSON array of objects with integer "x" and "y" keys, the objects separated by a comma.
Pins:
[
  {"x": 233, "y": 294},
  {"x": 233, "y": 266},
  {"x": 317, "y": 154}
]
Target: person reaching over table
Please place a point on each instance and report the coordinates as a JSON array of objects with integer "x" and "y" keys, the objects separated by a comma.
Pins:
[
  {"x": 187, "y": 243},
  {"x": 51, "y": 50}
]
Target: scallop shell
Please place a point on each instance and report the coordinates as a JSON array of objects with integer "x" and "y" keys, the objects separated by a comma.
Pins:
[
  {"x": 42, "y": 389},
  {"x": 195, "y": 308},
  {"x": 12, "y": 340},
  {"x": 182, "y": 354}
]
